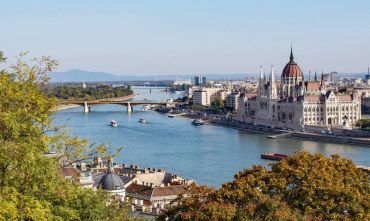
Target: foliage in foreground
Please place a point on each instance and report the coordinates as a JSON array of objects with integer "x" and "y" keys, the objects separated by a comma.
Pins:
[
  {"x": 300, "y": 187},
  {"x": 30, "y": 185}
]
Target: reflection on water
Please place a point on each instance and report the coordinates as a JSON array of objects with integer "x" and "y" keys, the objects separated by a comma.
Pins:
[{"x": 209, "y": 154}]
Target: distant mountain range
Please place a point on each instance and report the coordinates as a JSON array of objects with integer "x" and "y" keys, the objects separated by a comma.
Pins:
[{"x": 76, "y": 75}]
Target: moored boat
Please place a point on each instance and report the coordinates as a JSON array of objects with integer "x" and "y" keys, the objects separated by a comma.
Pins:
[
  {"x": 272, "y": 136},
  {"x": 273, "y": 156},
  {"x": 113, "y": 123},
  {"x": 171, "y": 116},
  {"x": 197, "y": 122},
  {"x": 145, "y": 108}
]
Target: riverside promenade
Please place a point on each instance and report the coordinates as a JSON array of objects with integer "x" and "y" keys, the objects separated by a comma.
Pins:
[{"x": 345, "y": 137}]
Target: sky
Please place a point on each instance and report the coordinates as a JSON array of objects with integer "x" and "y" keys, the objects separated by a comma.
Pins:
[{"x": 145, "y": 37}]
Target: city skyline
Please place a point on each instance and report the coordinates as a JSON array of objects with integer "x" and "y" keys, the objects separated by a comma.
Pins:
[{"x": 208, "y": 37}]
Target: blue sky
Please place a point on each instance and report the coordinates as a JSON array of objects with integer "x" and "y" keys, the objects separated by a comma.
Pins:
[{"x": 190, "y": 36}]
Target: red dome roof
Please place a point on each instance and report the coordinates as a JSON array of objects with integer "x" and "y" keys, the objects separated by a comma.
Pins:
[{"x": 292, "y": 69}]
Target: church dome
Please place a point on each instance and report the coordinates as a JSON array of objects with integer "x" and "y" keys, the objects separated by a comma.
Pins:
[
  {"x": 111, "y": 181},
  {"x": 292, "y": 69}
]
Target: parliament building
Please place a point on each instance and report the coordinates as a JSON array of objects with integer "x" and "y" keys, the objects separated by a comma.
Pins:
[{"x": 293, "y": 102}]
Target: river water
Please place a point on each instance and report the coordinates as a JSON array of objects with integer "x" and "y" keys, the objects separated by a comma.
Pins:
[{"x": 209, "y": 154}]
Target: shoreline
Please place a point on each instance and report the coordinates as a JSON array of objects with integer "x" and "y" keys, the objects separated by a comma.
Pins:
[{"x": 288, "y": 134}]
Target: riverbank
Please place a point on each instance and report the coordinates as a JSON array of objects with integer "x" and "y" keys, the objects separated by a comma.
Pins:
[
  {"x": 64, "y": 107},
  {"x": 285, "y": 133}
]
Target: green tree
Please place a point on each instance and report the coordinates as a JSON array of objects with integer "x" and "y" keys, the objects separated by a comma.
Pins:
[
  {"x": 218, "y": 103},
  {"x": 30, "y": 185},
  {"x": 300, "y": 187}
]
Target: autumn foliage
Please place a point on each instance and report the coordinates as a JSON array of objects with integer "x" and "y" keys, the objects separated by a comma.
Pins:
[{"x": 300, "y": 187}]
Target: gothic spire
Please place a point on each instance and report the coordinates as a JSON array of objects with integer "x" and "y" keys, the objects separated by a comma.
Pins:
[
  {"x": 291, "y": 53},
  {"x": 315, "y": 76},
  {"x": 261, "y": 72},
  {"x": 272, "y": 77}
]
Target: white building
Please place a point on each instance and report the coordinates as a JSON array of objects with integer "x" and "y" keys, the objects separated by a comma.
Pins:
[
  {"x": 205, "y": 96},
  {"x": 294, "y": 103},
  {"x": 232, "y": 100},
  {"x": 182, "y": 82}
]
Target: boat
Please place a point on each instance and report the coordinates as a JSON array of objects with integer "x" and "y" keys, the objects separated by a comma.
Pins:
[
  {"x": 171, "y": 116},
  {"x": 271, "y": 136},
  {"x": 273, "y": 156},
  {"x": 142, "y": 120},
  {"x": 145, "y": 108},
  {"x": 113, "y": 123},
  {"x": 197, "y": 122}
]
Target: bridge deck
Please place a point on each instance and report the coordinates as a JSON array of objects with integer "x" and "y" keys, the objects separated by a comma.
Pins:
[{"x": 112, "y": 102}]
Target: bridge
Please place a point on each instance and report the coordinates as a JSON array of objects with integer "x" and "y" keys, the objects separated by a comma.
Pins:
[{"x": 129, "y": 104}]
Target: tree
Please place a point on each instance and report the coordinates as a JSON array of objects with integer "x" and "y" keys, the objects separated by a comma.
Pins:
[
  {"x": 300, "y": 187},
  {"x": 30, "y": 185},
  {"x": 218, "y": 103}
]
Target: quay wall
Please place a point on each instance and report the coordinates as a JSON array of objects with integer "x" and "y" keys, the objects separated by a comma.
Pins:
[{"x": 341, "y": 139}]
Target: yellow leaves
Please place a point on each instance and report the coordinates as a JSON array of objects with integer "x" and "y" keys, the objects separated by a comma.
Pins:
[{"x": 30, "y": 187}]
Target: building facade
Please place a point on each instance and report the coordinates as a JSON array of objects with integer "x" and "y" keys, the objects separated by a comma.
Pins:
[
  {"x": 205, "y": 96},
  {"x": 294, "y": 102},
  {"x": 232, "y": 100}
]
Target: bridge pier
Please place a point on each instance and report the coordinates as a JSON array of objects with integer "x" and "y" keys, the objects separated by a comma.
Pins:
[
  {"x": 86, "y": 107},
  {"x": 129, "y": 108}
]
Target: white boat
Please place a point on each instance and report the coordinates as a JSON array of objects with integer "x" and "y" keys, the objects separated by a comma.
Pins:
[
  {"x": 197, "y": 122},
  {"x": 113, "y": 123},
  {"x": 142, "y": 120},
  {"x": 145, "y": 108}
]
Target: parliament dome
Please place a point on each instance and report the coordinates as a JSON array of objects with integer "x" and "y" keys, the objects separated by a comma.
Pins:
[{"x": 291, "y": 69}]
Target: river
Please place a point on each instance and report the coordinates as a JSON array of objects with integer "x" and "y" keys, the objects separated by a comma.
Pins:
[{"x": 209, "y": 154}]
